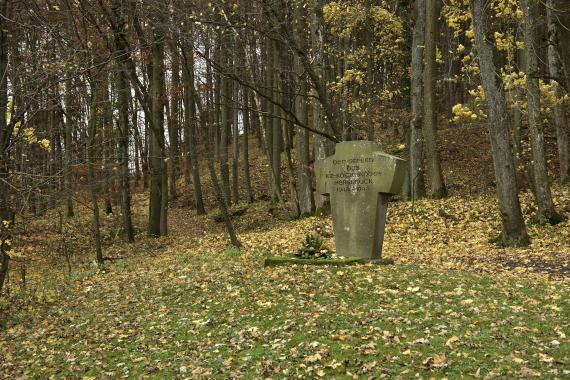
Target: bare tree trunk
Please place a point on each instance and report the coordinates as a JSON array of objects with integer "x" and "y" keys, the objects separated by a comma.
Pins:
[
  {"x": 437, "y": 186},
  {"x": 173, "y": 127},
  {"x": 514, "y": 230},
  {"x": 306, "y": 199},
  {"x": 157, "y": 212},
  {"x": 546, "y": 212},
  {"x": 416, "y": 174},
  {"x": 220, "y": 196},
  {"x": 277, "y": 135},
  {"x": 235, "y": 144},
  {"x": 123, "y": 126},
  {"x": 225, "y": 125},
  {"x": 5, "y": 133},
  {"x": 556, "y": 73},
  {"x": 299, "y": 103},
  {"x": 245, "y": 160},
  {"x": 123, "y": 100},
  {"x": 68, "y": 155},
  {"x": 517, "y": 122},
  {"x": 322, "y": 147},
  {"x": 106, "y": 122},
  {"x": 91, "y": 171},
  {"x": 190, "y": 121},
  {"x": 140, "y": 159},
  {"x": 267, "y": 109}
]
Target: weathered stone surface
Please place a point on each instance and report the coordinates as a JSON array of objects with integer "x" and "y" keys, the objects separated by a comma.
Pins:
[{"x": 359, "y": 178}]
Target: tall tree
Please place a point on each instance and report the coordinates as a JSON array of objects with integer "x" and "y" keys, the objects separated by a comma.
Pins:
[
  {"x": 305, "y": 185},
  {"x": 5, "y": 134},
  {"x": 70, "y": 118},
  {"x": 556, "y": 73},
  {"x": 123, "y": 100},
  {"x": 190, "y": 124},
  {"x": 218, "y": 191},
  {"x": 158, "y": 192},
  {"x": 415, "y": 173},
  {"x": 437, "y": 186},
  {"x": 246, "y": 132},
  {"x": 539, "y": 169},
  {"x": 235, "y": 139},
  {"x": 94, "y": 111},
  {"x": 174, "y": 123},
  {"x": 277, "y": 129},
  {"x": 225, "y": 117},
  {"x": 513, "y": 231}
]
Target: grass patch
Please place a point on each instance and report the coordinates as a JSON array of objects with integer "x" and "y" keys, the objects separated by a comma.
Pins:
[{"x": 204, "y": 317}]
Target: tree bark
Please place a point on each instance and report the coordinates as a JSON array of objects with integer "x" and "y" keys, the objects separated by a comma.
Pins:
[
  {"x": 277, "y": 135},
  {"x": 225, "y": 127},
  {"x": 190, "y": 121},
  {"x": 5, "y": 133},
  {"x": 173, "y": 127},
  {"x": 123, "y": 100},
  {"x": 416, "y": 174},
  {"x": 218, "y": 191},
  {"x": 546, "y": 212},
  {"x": 235, "y": 143},
  {"x": 68, "y": 155},
  {"x": 513, "y": 227},
  {"x": 556, "y": 73},
  {"x": 92, "y": 124},
  {"x": 437, "y": 185},
  {"x": 106, "y": 122},
  {"x": 157, "y": 212},
  {"x": 305, "y": 183},
  {"x": 245, "y": 160}
]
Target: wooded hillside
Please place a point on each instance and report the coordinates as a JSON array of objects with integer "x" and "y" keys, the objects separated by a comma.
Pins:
[{"x": 137, "y": 136}]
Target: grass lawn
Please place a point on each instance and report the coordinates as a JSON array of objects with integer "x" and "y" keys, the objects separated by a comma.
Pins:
[{"x": 193, "y": 315}]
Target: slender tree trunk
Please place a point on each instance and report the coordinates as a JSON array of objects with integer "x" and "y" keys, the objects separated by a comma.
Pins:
[
  {"x": 5, "y": 212},
  {"x": 225, "y": 127},
  {"x": 306, "y": 199},
  {"x": 221, "y": 198},
  {"x": 322, "y": 147},
  {"x": 546, "y": 212},
  {"x": 123, "y": 100},
  {"x": 235, "y": 144},
  {"x": 277, "y": 145},
  {"x": 123, "y": 127},
  {"x": 514, "y": 230},
  {"x": 140, "y": 157},
  {"x": 157, "y": 212},
  {"x": 517, "y": 122},
  {"x": 68, "y": 155},
  {"x": 267, "y": 109},
  {"x": 245, "y": 160},
  {"x": 305, "y": 185},
  {"x": 191, "y": 120},
  {"x": 91, "y": 172},
  {"x": 556, "y": 73},
  {"x": 108, "y": 140},
  {"x": 416, "y": 174},
  {"x": 437, "y": 186},
  {"x": 173, "y": 127}
]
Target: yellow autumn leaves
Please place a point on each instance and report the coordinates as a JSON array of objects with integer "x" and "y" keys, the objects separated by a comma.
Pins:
[{"x": 29, "y": 136}]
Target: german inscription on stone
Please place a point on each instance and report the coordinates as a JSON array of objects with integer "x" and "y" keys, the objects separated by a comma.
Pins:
[{"x": 359, "y": 178}]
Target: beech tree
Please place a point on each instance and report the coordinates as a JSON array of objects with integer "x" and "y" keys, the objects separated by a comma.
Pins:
[
  {"x": 513, "y": 230},
  {"x": 539, "y": 170}
]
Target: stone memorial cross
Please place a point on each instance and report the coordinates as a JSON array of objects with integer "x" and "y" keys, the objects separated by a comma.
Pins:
[{"x": 359, "y": 178}]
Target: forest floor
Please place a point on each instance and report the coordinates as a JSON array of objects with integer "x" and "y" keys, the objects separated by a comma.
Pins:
[{"x": 188, "y": 306}]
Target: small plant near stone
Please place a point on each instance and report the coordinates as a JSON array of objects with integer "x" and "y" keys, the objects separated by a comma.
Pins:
[{"x": 314, "y": 247}]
